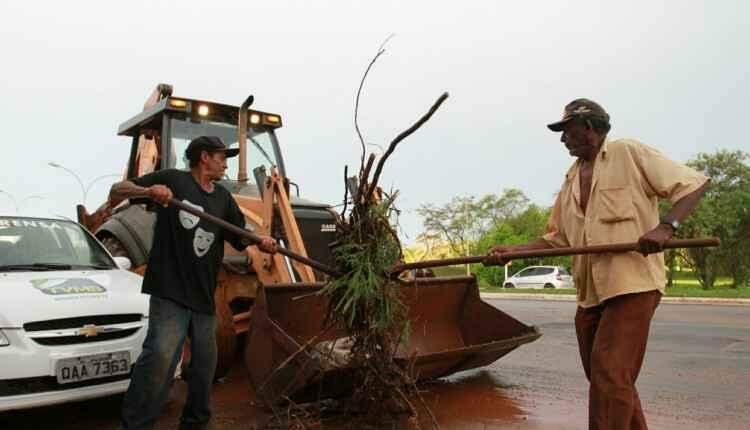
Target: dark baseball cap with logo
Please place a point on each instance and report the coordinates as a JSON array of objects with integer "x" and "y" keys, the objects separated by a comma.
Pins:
[
  {"x": 584, "y": 109},
  {"x": 209, "y": 144}
]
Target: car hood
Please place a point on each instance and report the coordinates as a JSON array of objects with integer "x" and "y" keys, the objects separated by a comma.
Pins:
[{"x": 39, "y": 296}]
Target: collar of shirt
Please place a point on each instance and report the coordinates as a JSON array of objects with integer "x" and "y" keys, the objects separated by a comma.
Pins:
[
  {"x": 602, "y": 155},
  {"x": 572, "y": 175}
]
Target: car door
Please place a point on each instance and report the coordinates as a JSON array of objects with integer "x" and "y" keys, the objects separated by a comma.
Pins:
[
  {"x": 543, "y": 275},
  {"x": 525, "y": 278}
]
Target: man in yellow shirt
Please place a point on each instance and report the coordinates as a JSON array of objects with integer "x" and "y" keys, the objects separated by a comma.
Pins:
[{"x": 610, "y": 195}]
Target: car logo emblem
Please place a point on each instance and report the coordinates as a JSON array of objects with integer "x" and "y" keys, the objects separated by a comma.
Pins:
[{"x": 89, "y": 330}]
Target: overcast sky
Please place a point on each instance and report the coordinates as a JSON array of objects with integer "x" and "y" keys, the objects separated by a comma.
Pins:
[{"x": 673, "y": 75}]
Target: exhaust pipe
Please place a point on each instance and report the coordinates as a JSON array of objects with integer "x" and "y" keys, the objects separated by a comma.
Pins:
[{"x": 242, "y": 138}]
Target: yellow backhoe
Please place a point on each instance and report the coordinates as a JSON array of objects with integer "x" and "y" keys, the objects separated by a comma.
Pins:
[{"x": 269, "y": 299}]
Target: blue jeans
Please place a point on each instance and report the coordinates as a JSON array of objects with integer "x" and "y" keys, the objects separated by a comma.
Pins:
[{"x": 168, "y": 325}]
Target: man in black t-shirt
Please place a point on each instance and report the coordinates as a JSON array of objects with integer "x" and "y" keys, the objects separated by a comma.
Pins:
[{"x": 181, "y": 278}]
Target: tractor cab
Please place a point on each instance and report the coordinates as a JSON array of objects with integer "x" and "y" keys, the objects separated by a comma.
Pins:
[{"x": 160, "y": 134}]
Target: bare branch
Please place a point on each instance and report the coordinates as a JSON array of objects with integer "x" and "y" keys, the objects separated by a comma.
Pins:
[
  {"x": 364, "y": 174},
  {"x": 346, "y": 189},
  {"x": 403, "y": 135},
  {"x": 381, "y": 50}
]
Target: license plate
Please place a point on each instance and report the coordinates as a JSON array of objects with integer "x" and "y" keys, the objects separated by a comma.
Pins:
[{"x": 92, "y": 366}]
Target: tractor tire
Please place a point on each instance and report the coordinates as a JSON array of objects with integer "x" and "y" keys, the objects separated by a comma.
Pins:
[{"x": 114, "y": 246}]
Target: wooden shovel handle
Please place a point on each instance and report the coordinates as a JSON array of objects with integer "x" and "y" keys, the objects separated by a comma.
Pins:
[{"x": 556, "y": 252}]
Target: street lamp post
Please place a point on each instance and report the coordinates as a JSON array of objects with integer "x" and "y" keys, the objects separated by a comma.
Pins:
[
  {"x": 84, "y": 189},
  {"x": 17, "y": 204},
  {"x": 86, "y": 193},
  {"x": 80, "y": 182},
  {"x": 12, "y": 198}
]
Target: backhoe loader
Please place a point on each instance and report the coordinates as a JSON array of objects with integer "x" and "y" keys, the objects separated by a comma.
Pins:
[{"x": 270, "y": 299}]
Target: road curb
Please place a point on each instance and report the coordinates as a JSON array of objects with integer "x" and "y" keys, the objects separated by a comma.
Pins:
[{"x": 572, "y": 298}]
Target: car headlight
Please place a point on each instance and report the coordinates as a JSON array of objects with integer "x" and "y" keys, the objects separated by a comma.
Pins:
[{"x": 3, "y": 339}]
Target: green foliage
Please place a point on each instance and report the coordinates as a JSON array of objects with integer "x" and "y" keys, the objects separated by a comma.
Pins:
[
  {"x": 723, "y": 212},
  {"x": 363, "y": 298},
  {"x": 472, "y": 226},
  {"x": 519, "y": 228},
  {"x": 503, "y": 234},
  {"x": 465, "y": 219}
]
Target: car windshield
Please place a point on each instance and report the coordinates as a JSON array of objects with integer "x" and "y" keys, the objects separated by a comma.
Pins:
[
  {"x": 260, "y": 144},
  {"x": 43, "y": 244}
]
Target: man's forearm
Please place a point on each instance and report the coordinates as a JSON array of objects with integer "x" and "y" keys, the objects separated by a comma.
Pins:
[
  {"x": 533, "y": 244},
  {"x": 126, "y": 190},
  {"x": 686, "y": 205}
]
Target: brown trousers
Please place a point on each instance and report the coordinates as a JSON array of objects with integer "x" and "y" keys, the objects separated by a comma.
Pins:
[{"x": 612, "y": 339}]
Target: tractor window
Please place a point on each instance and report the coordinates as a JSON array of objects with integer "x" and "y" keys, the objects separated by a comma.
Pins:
[{"x": 260, "y": 148}]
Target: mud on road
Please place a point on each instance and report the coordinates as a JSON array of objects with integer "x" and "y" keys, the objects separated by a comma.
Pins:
[{"x": 696, "y": 375}]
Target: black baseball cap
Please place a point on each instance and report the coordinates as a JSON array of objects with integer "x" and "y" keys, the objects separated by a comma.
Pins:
[
  {"x": 583, "y": 109},
  {"x": 209, "y": 144}
]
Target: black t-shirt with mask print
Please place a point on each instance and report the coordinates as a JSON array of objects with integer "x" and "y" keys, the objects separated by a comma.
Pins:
[{"x": 186, "y": 253}]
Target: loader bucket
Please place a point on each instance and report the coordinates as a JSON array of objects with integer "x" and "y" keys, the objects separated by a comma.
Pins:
[{"x": 451, "y": 329}]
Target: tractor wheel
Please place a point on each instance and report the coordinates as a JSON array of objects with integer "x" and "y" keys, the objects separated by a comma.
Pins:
[
  {"x": 114, "y": 246},
  {"x": 226, "y": 339}
]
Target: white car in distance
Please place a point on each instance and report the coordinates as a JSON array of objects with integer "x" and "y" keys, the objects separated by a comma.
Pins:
[
  {"x": 72, "y": 318},
  {"x": 540, "y": 277}
]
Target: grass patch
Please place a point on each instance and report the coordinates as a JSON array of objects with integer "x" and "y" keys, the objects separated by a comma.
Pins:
[
  {"x": 675, "y": 291},
  {"x": 561, "y": 291},
  {"x": 720, "y": 291},
  {"x": 684, "y": 285}
]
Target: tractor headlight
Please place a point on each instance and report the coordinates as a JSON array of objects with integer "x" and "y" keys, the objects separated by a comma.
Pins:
[
  {"x": 272, "y": 119},
  {"x": 177, "y": 103},
  {"x": 3, "y": 339}
]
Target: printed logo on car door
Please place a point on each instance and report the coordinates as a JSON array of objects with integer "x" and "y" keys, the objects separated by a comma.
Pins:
[{"x": 66, "y": 286}]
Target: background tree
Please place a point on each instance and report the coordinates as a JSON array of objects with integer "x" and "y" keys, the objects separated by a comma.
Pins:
[
  {"x": 457, "y": 222},
  {"x": 723, "y": 212},
  {"x": 465, "y": 219},
  {"x": 672, "y": 257},
  {"x": 472, "y": 226},
  {"x": 519, "y": 228},
  {"x": 494, "y": 210}
]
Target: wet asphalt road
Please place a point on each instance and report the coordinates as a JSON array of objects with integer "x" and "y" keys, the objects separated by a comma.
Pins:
[
  {"x": 696, "y": 376},
  {"x": 696, "y": 373}
]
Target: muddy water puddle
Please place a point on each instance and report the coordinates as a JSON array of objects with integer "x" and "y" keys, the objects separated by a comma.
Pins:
[{"x": 468, "y": 401}]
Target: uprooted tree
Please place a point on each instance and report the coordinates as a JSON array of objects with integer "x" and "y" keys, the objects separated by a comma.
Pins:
[{"x": 364, "y": 298}]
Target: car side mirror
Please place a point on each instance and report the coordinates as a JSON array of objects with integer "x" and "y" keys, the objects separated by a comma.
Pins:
[{"x": 123, "y": 263}]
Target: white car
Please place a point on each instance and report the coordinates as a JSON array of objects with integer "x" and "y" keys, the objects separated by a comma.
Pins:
[
  {"x": 540, "y": 277},
  {"x": 72, "y": 318}
]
